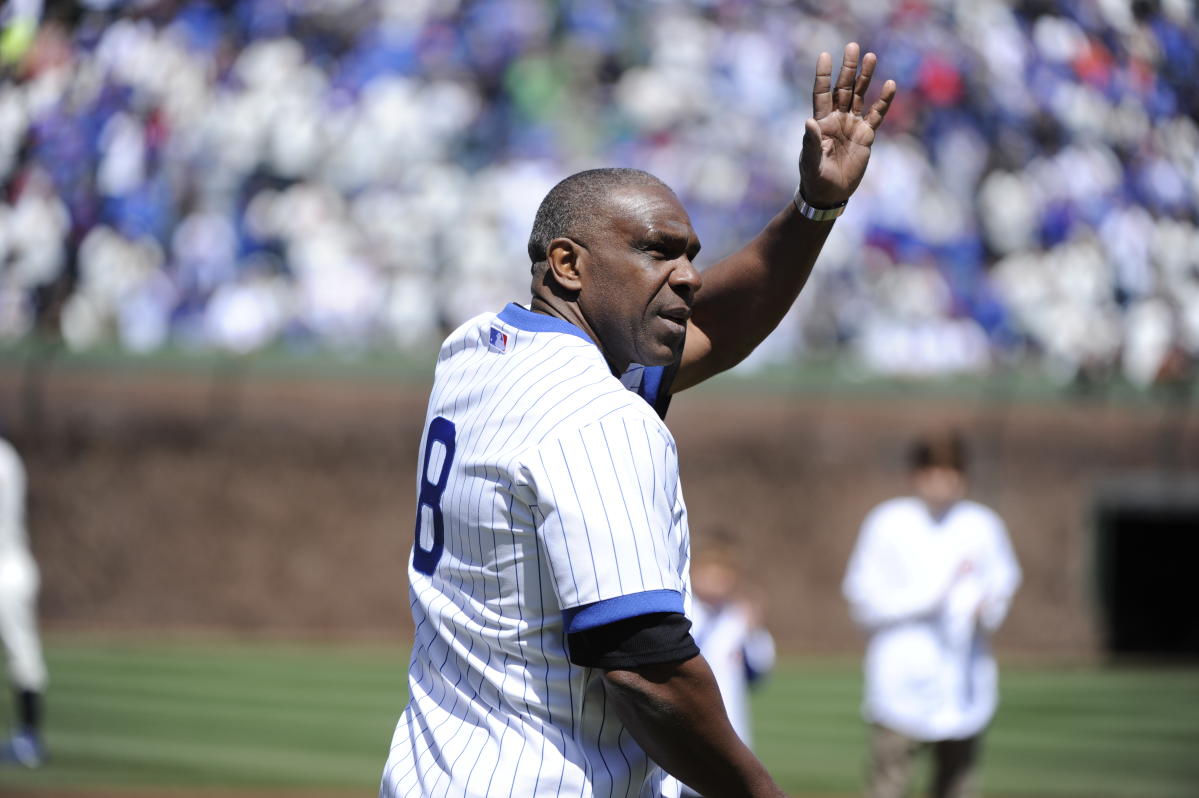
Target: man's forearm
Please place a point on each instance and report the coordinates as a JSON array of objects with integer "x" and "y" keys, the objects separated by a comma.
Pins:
[
  {"x": 746, "y": 295},
  {"x": 675, "y": 713}
]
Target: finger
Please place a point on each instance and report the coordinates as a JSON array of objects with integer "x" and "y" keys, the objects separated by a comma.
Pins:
[
  {"x": 843, "y": 93},
  {"x": 822, "y": 96},
  {"x": 859, "y": 90},
  {"x": 881, "y": 105},
  {"x": 809, "y": 156}
]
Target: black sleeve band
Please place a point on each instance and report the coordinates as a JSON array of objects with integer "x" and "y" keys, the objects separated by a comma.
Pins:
[{"x": 642, "y": 640}]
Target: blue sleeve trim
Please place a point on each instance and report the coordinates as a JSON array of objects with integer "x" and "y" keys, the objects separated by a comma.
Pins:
[{"x": 600, "y": 613}]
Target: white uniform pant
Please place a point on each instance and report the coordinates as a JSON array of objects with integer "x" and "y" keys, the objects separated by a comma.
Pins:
[{"x": 18, "y": 622}]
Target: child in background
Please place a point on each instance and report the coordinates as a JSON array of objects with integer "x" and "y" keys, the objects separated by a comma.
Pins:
[{"x": 727, "y": 626}]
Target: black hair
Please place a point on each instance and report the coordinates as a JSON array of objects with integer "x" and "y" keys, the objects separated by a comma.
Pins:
[
  {"x": 939, "y": 450},
  {"x": 567, "y": 210}
]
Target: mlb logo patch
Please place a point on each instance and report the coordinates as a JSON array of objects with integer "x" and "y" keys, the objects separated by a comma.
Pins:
[{"x": 498, "y": 342}]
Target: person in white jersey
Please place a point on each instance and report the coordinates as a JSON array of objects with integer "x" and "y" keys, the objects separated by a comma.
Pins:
[
  {"x": 930, "y": 580},
  {"x": 548, "y": 577},
  {"x": 18, "y": 615}
]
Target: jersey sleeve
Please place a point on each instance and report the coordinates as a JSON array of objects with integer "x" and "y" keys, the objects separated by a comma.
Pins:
[
  {"x": 1002, "y": 575},
  {"x": 604, "y": 499}
]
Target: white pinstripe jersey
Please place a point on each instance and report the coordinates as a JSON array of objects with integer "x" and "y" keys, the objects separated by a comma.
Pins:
[{"x": 549, "y": 502}]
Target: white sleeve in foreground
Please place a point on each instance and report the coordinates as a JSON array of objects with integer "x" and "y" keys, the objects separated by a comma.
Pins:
[{"x": 604, "y": 507}]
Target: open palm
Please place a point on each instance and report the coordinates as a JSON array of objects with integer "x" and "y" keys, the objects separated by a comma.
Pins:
[{"x": 837, "y": 139}]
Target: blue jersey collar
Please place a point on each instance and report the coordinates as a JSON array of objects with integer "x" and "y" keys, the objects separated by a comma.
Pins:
[{"x": 525, "y": 319}]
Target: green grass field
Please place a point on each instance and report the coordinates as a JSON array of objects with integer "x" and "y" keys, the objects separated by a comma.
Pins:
[{"x": 285, "y": 718}]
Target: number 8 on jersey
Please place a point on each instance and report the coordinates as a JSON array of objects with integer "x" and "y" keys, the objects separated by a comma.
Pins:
[{"x": 441, "y": 430}]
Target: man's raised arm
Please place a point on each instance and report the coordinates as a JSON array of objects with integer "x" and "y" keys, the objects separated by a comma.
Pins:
[{"x": 746, "y": 295}]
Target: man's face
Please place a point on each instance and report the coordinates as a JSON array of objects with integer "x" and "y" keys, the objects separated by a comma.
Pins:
[
  {"x": 940, "y": 487},
  {"x": 638, "y": 278},
  {"x": 714, "y": 580}
]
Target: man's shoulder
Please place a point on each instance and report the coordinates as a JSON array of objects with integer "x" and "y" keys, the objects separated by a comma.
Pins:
[
  {"x": 621, "y": 427},
  {"x": 9, "y": 459},
  {"x": 515, "y": 337},
  {"x": 549, "y": 383},
  {"x": 465, "y": 335},
  {"x": 978, "y": 513},
  {"x": 615, "y": 406},
  {"x": 898, "y": 506}
]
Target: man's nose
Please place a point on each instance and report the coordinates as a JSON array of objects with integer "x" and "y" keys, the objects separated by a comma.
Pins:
[{"x": 686, "y": 278}]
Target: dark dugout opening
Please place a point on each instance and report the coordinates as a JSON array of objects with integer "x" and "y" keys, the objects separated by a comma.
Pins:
[{"x": 1147, "y": 569}]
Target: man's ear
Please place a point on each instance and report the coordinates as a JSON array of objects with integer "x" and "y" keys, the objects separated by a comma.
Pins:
[{"x": 563, "y": 256}]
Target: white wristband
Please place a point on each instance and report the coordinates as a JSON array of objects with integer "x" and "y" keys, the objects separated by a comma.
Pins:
[{"x": 817, "y": 214}]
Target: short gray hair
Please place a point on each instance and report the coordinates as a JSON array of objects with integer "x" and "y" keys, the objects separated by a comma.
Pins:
[{"x": 570, "y": 206}]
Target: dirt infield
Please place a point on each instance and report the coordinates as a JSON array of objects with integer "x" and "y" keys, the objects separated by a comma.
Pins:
[{"x": 285, "y": 506}]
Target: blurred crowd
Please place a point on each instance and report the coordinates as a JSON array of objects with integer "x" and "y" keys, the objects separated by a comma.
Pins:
[{"x": 356, "y": 174}]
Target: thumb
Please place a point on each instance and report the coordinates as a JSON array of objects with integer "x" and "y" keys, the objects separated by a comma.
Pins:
[{"x": 809, "y": 158}]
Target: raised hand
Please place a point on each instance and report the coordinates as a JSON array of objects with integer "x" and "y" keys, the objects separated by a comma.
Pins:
[{"x": 837, "y": 139}]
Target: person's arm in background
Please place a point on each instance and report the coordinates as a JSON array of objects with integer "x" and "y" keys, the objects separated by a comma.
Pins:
[
  {"x": 1002, "y": 577},
  {"x": 876, "y": 586},
  {"x": 746, "y": 295},
  {"x": 12, "y": 497},
  {"x": 675, "y": 713},
  {"x": 757, "y": 649},
  {"x": 758, "y": 653}
]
